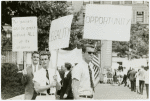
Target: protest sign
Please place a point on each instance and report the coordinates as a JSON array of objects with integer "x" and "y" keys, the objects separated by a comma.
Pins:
[
  {"x": 24, "y": 34},
  {"x": 107, "y": 22},
  {"x": 60, "y": 32}
]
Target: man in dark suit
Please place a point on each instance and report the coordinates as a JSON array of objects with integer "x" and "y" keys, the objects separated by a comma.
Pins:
[
  {"x": 132, "y": 79},
  {"x": 61, "y": 73},
  {"x": 66, "y": 91},
  {"x": 27, "y": 77}
]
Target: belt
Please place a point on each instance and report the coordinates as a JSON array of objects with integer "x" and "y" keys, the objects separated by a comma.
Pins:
[
  {"x": 43, "y": 94},
  {"x": 86, "y": 96}
]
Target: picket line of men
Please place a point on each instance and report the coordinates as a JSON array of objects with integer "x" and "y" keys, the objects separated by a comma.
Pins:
[{"x": 42, "y": 82}]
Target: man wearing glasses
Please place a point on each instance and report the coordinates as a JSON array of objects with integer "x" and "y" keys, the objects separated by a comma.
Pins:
[
  {"x": 46, "y": 80},
  {"x": 82, "y": 78},
  {"x": 27, "y": 77}
]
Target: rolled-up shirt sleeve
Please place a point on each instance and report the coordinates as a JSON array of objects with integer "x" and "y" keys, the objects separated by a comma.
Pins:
[{"x": 76, "y": 72}]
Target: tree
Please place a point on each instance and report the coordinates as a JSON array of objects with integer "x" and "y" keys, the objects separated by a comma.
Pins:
[
  {"x": 138, "y": 44},
  {"x": 45, "y": 11}
]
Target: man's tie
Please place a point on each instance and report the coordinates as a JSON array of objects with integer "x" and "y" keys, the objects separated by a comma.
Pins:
[
  {"x": 91, "y": 80},
  {"x": 47, "y": 81},
  {"x": 34, "y": 69}
]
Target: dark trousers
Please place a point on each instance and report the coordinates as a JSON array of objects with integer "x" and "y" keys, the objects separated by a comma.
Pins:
[
  {"x": 147, "y": 90},
  {"x": 141, "y": 86},
  {"x": 133, "y": 85},
  {"x": 69, "y": 98},
  {"x": 34, "y": 95},
  {"x": 124, "y": 80}
]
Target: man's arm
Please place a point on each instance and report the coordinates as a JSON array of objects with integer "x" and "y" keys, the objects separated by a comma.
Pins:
[
  {"x": 24, "y": 79},
  {"x": 39, "y": 88},
  {"x": 75, "y": 86}
]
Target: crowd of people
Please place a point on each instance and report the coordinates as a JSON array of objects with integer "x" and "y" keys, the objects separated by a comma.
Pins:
[
  {"x": 133, "y": 79},
  {"x": 74, "y": 82},
  {"x": 71, "y": 82}
]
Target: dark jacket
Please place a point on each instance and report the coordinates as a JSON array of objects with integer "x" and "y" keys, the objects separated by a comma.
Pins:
[
  {"x": 61, "y": 73},
  {"x": 132, "y": 75},
  {"x": 67, "y": 89}
]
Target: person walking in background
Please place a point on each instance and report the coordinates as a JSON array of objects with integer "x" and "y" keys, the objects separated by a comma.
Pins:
[
  {"x": 137, "y": 81},
  {"x": 120, "y": 67},
  {"x": 120, "y": 77},
  {"x": 141, "y": 79},
  {"x": 66, "y": 90},
  {"x": 124, "y": 77},
  {"x": 28, "y": 75},
  {"x": 128, "y": 80},
  {"x": 147, "y": 81},
  {"x": 115, "y": 77},
  {"x": 132, "y": 79}
]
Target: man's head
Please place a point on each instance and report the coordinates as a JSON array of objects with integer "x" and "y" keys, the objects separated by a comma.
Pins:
[
  {"x": 45, "y": 58},
  {"x": 35, "y": 57},
  {"x": 68, "y": 66},
  {"x": 88, "y": 52}
]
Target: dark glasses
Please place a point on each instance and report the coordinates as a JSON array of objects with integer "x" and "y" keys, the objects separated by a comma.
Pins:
[{"x": 91, "y": 52}]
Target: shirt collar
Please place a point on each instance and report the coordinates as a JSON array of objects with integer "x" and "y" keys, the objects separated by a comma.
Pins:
[
  {"x": 66, "y": 72},
  {"x": 35, "y": 65}
]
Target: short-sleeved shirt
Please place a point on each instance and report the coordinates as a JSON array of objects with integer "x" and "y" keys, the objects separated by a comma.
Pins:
[
  {"x": 147, "y": 77},
  {"x": 40, "y": 77},
  {"x": 81, "y": 73},
  {"x": 142, "y": 74}
]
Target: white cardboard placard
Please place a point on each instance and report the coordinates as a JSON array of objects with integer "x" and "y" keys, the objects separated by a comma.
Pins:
[{"x": 107, "y": 22}]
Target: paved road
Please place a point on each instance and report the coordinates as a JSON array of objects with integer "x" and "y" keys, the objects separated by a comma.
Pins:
[
  {"x": 113, "y": 92},
  {"x": 109, "y": 92}
]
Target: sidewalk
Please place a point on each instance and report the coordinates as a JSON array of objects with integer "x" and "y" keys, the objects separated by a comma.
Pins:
[
  {"x": 19, "y": 97},
  {"x": 109, "y": 92},
  {"x": 115, "y": 92}
]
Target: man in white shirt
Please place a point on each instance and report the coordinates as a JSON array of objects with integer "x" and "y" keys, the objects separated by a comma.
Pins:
[
  {"x": 82, "y": 81},
  {"x": 147, "y": 81},
  {"x": 28, "y": 74},
  {"x": 141, "y": 79},
  {"x": 46, "y": 80}
]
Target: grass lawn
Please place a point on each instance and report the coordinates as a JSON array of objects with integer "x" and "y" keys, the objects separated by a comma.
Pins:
[{"x": 11, "y": 91}]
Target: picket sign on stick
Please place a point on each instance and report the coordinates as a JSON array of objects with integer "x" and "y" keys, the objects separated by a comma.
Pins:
[
  {"x": 60, "y": 34},
  {"x": 107, "y": 22},
  {"x": 56, "y": 60},
  {"x": 24, "y": 35}
]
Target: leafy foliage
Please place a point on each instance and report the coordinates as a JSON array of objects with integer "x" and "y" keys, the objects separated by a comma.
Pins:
[
  {"x": 138, "y": 44},
  {"x": 45, "y": 11},
  {"x": 9, "y": 75}
]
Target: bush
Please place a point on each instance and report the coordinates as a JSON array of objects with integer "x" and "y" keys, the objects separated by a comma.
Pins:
[{"x": 9, "y": 75}]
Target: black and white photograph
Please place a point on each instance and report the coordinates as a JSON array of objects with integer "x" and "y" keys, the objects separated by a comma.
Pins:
[{"x": 75, "y": 50}]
